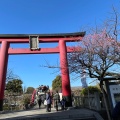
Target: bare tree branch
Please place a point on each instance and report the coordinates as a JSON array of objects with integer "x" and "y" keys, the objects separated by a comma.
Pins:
[{"x": 99, "y": 54}]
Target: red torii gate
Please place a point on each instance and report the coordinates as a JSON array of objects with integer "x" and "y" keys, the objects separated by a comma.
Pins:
[{"x": 5, "y": 51}]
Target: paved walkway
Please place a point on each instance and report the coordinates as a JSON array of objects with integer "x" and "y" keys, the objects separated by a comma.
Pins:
[{"x": 53, "y": 115}]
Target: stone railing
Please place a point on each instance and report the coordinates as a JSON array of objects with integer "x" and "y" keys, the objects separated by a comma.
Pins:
[{"x": 94, "y": 101}]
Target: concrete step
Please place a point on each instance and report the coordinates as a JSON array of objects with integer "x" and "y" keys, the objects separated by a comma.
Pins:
[{"x": 67, "y": 117}]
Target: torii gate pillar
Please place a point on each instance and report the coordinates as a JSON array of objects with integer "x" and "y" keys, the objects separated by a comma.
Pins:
[
  {"x": 66, "y": 90},
  {"x": 3, "y": 69}
]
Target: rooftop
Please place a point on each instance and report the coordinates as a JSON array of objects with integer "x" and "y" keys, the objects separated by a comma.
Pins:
[{"x": 57, "y": 35}]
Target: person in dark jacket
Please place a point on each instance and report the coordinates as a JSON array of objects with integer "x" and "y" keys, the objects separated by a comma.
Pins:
[
  {"x": 116, "y": 112},
  {"x": 49, "y": 101},
  {"x": 63, "y": 104},
  {"x": 39, "y": 101}
]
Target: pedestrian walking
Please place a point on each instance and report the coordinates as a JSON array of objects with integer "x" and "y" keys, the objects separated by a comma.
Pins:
[
  {"x": 39, "y": 101},
  {"x": 48, "y": 99},
  {"x": 56, "y": 99},
  {"x": 63, "y": 104}
]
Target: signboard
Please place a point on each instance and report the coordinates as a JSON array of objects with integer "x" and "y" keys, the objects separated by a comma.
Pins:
[
  {"x": 115, "y": 93},
  {"x": 34, "y": 42}
]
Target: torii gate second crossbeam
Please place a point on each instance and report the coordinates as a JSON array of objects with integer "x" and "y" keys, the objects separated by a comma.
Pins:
[{"x": 62, "y": 49}]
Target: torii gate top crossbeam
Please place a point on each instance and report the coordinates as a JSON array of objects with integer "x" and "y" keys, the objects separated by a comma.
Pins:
[
  {"x": 42, "y": 38},
  {"x": 24, "y": 38}
]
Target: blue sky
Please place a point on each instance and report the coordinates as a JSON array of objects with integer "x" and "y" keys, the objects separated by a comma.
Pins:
[{"x": 46, "y": 17}]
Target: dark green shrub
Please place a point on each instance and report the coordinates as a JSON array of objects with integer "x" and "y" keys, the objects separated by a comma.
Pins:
[{"x": 90, "y": 89}]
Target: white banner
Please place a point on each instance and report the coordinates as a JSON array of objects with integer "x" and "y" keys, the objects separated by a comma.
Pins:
[{"x": 83, "y": 81}]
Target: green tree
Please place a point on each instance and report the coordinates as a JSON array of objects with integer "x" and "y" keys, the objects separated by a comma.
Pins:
[
  {"x": 57, "y": 83},
  {"x": 14, "y": 86},
  {"x": 91, "y": 90},
  {"x": 30, "y": 90}
]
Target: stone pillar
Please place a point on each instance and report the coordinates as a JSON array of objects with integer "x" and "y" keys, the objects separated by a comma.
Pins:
[
  {"x": 66, "y": 89},
  {"x": 3, "y": 69}
]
